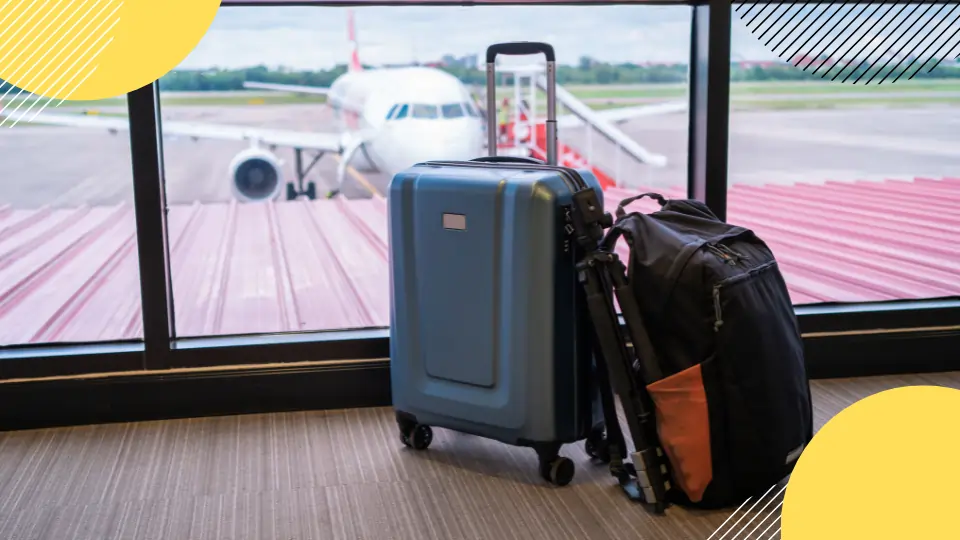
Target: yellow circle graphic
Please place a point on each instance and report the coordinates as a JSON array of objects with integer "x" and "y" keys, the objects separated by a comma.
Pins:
[
  {"x": 96, "y": 49},
  {"x": 888, "y": 466}
]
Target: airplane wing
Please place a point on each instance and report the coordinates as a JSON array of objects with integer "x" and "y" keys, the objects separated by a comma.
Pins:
[
  {"x": 327, "y": 142},
  {"x": 622, "y": 114},
  {"x": 293, "y": 88}
]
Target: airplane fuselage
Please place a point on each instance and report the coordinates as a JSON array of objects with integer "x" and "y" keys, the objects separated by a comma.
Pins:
[{"x": 415, "y": 114}]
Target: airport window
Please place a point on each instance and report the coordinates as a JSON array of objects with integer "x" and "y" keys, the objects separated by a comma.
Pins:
[
  {"x": 68, "y": 247},
  {"x": 277, "y": 237},
  {"x": 452, "y": 110},
  {"x": 392, "y": 110},
  {"x": 852, "y": 185},
  {"x": 428, "y": 112}
]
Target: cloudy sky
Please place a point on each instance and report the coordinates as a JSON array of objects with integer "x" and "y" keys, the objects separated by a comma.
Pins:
[{"x": 315, "y": 37}]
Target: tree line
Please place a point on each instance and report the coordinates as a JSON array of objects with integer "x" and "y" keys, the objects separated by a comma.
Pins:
[
  {"x": 588, "y": 71},
  {"x": 843, "y": 72}
]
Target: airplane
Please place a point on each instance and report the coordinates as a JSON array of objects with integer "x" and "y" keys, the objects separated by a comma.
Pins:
[{"x": 386, "y": 119}]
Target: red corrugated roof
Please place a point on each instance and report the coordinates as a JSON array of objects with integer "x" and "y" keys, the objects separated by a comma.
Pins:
[{"x": 71, "y": 274}]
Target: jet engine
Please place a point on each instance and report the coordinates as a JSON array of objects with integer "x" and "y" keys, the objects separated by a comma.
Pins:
[{"x": 255, "y": 175}]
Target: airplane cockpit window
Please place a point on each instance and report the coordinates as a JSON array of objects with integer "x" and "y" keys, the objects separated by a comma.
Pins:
[
  {"x": 452, "y": 110},
  {"x": 467, "y": 106},
  {"x": 402, "y": 113},
  {"x": 425, "y": 111},
  {"x": 392, "y": 110}
]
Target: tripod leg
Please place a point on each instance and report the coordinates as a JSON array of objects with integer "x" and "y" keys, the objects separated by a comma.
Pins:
[{"x": 614, "y": 364}]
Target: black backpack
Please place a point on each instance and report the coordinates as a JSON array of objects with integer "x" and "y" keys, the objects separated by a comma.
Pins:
[{"x": 733, "y": 409}]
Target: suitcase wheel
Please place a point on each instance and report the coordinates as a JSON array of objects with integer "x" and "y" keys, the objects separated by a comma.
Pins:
[
  {"x": 417, "y": 437},
  {"x": 558, "y": 472}
]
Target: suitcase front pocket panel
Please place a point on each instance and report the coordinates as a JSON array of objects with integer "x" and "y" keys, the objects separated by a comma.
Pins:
[{"x": 457, "y": 245}]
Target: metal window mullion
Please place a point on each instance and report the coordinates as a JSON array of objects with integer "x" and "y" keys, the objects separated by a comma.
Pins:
[
  {"x": 709, "y": 135},
  {"x": 149, "y": 199}
]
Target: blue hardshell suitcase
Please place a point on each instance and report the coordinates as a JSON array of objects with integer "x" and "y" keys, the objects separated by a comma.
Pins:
[{"x": 488, "y": 332}]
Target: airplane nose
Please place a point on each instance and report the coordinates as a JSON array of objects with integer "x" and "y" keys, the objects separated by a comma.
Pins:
[
  {"x": 460, "y": 149},
  {"x": 451, "y": 147},
  {"x": 436, "y": 142}
]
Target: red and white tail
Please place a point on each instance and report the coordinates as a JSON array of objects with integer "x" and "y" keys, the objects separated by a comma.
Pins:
[{"x": 355, "y": 64}]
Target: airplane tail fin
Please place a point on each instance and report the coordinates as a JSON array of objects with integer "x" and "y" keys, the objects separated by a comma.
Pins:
[{"x": 355, "y": 64}]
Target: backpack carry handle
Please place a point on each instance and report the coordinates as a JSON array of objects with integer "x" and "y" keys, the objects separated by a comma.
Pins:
[
  {"x": 656, "y": 196},
  {"x": 522, "y": 48}
]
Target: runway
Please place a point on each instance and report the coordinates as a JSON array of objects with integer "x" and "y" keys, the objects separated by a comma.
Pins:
[
  {"x": 67, "y": 167},
  {"x": 813, "y": 96}
]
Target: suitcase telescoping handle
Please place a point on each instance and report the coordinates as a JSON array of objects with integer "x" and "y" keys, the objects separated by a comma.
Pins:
[{"x": 522, "y": 48}]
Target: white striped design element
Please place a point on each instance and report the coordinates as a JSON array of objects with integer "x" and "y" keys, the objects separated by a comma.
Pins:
[
  {"x": 35, "y": 67},
  {"x": 749, "y": 535},
  {"x": 69, "y": 30},
  {"x": 26, "y": 47},
  {"x": 12, "y": 25},
  {"x": 68, "y": 70},
  {"x": 83, "y": 80}
]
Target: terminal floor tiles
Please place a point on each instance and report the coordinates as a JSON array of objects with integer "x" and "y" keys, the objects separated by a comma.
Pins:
[{"x": 330, "y": 475}]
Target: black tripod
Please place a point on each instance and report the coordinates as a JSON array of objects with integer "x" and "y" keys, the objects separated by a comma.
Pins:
[{"x": 625, "y": 358}]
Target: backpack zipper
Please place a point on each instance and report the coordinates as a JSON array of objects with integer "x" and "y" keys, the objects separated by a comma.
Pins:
[
  {"x": 717, "y": 310},
  {"x": 726, "y": 254},
  {"x": 735, "y": 254},
  {"x": 721, "y": 254}
]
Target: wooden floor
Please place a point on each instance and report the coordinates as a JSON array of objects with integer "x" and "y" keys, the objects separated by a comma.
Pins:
[{"x": 328, "y": 475}]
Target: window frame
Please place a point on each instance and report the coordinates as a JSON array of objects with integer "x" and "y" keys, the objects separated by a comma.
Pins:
[{"x": 934, "y": 320}]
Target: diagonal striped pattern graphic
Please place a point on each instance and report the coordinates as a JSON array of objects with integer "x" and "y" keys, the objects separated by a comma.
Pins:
[
  {"x": 861, "y": 43},
  {"x": 48, "y": 50},
  {"x": 755, "y": 519}
]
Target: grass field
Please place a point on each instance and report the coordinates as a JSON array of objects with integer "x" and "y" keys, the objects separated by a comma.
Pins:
[
  {"x": 767, "y": 88},
  {"x": 752, "y": 95}
]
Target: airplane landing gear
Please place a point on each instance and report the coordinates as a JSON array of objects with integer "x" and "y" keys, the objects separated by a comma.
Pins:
[
  {"x": 310, "y": 192},
  {"x": 296, "y": 190}
]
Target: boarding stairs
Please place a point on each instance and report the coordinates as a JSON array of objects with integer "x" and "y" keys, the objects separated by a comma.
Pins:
[{"x": 524, "y": 133}]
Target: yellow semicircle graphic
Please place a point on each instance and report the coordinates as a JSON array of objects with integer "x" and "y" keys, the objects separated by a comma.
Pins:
[
  {"x": 887, "y": 467},
  {"x": 95, "y": 49}
]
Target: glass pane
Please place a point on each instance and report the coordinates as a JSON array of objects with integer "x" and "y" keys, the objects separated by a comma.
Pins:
[
  {"x": 634, "y": 75},
  {"x": 68, "y": 245},
  {"x": 854, "y": 186},
  {"x": 247, "y": 259},
  {"x": 452, "y": 110},
  {"x": 424, "y": 111}
]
